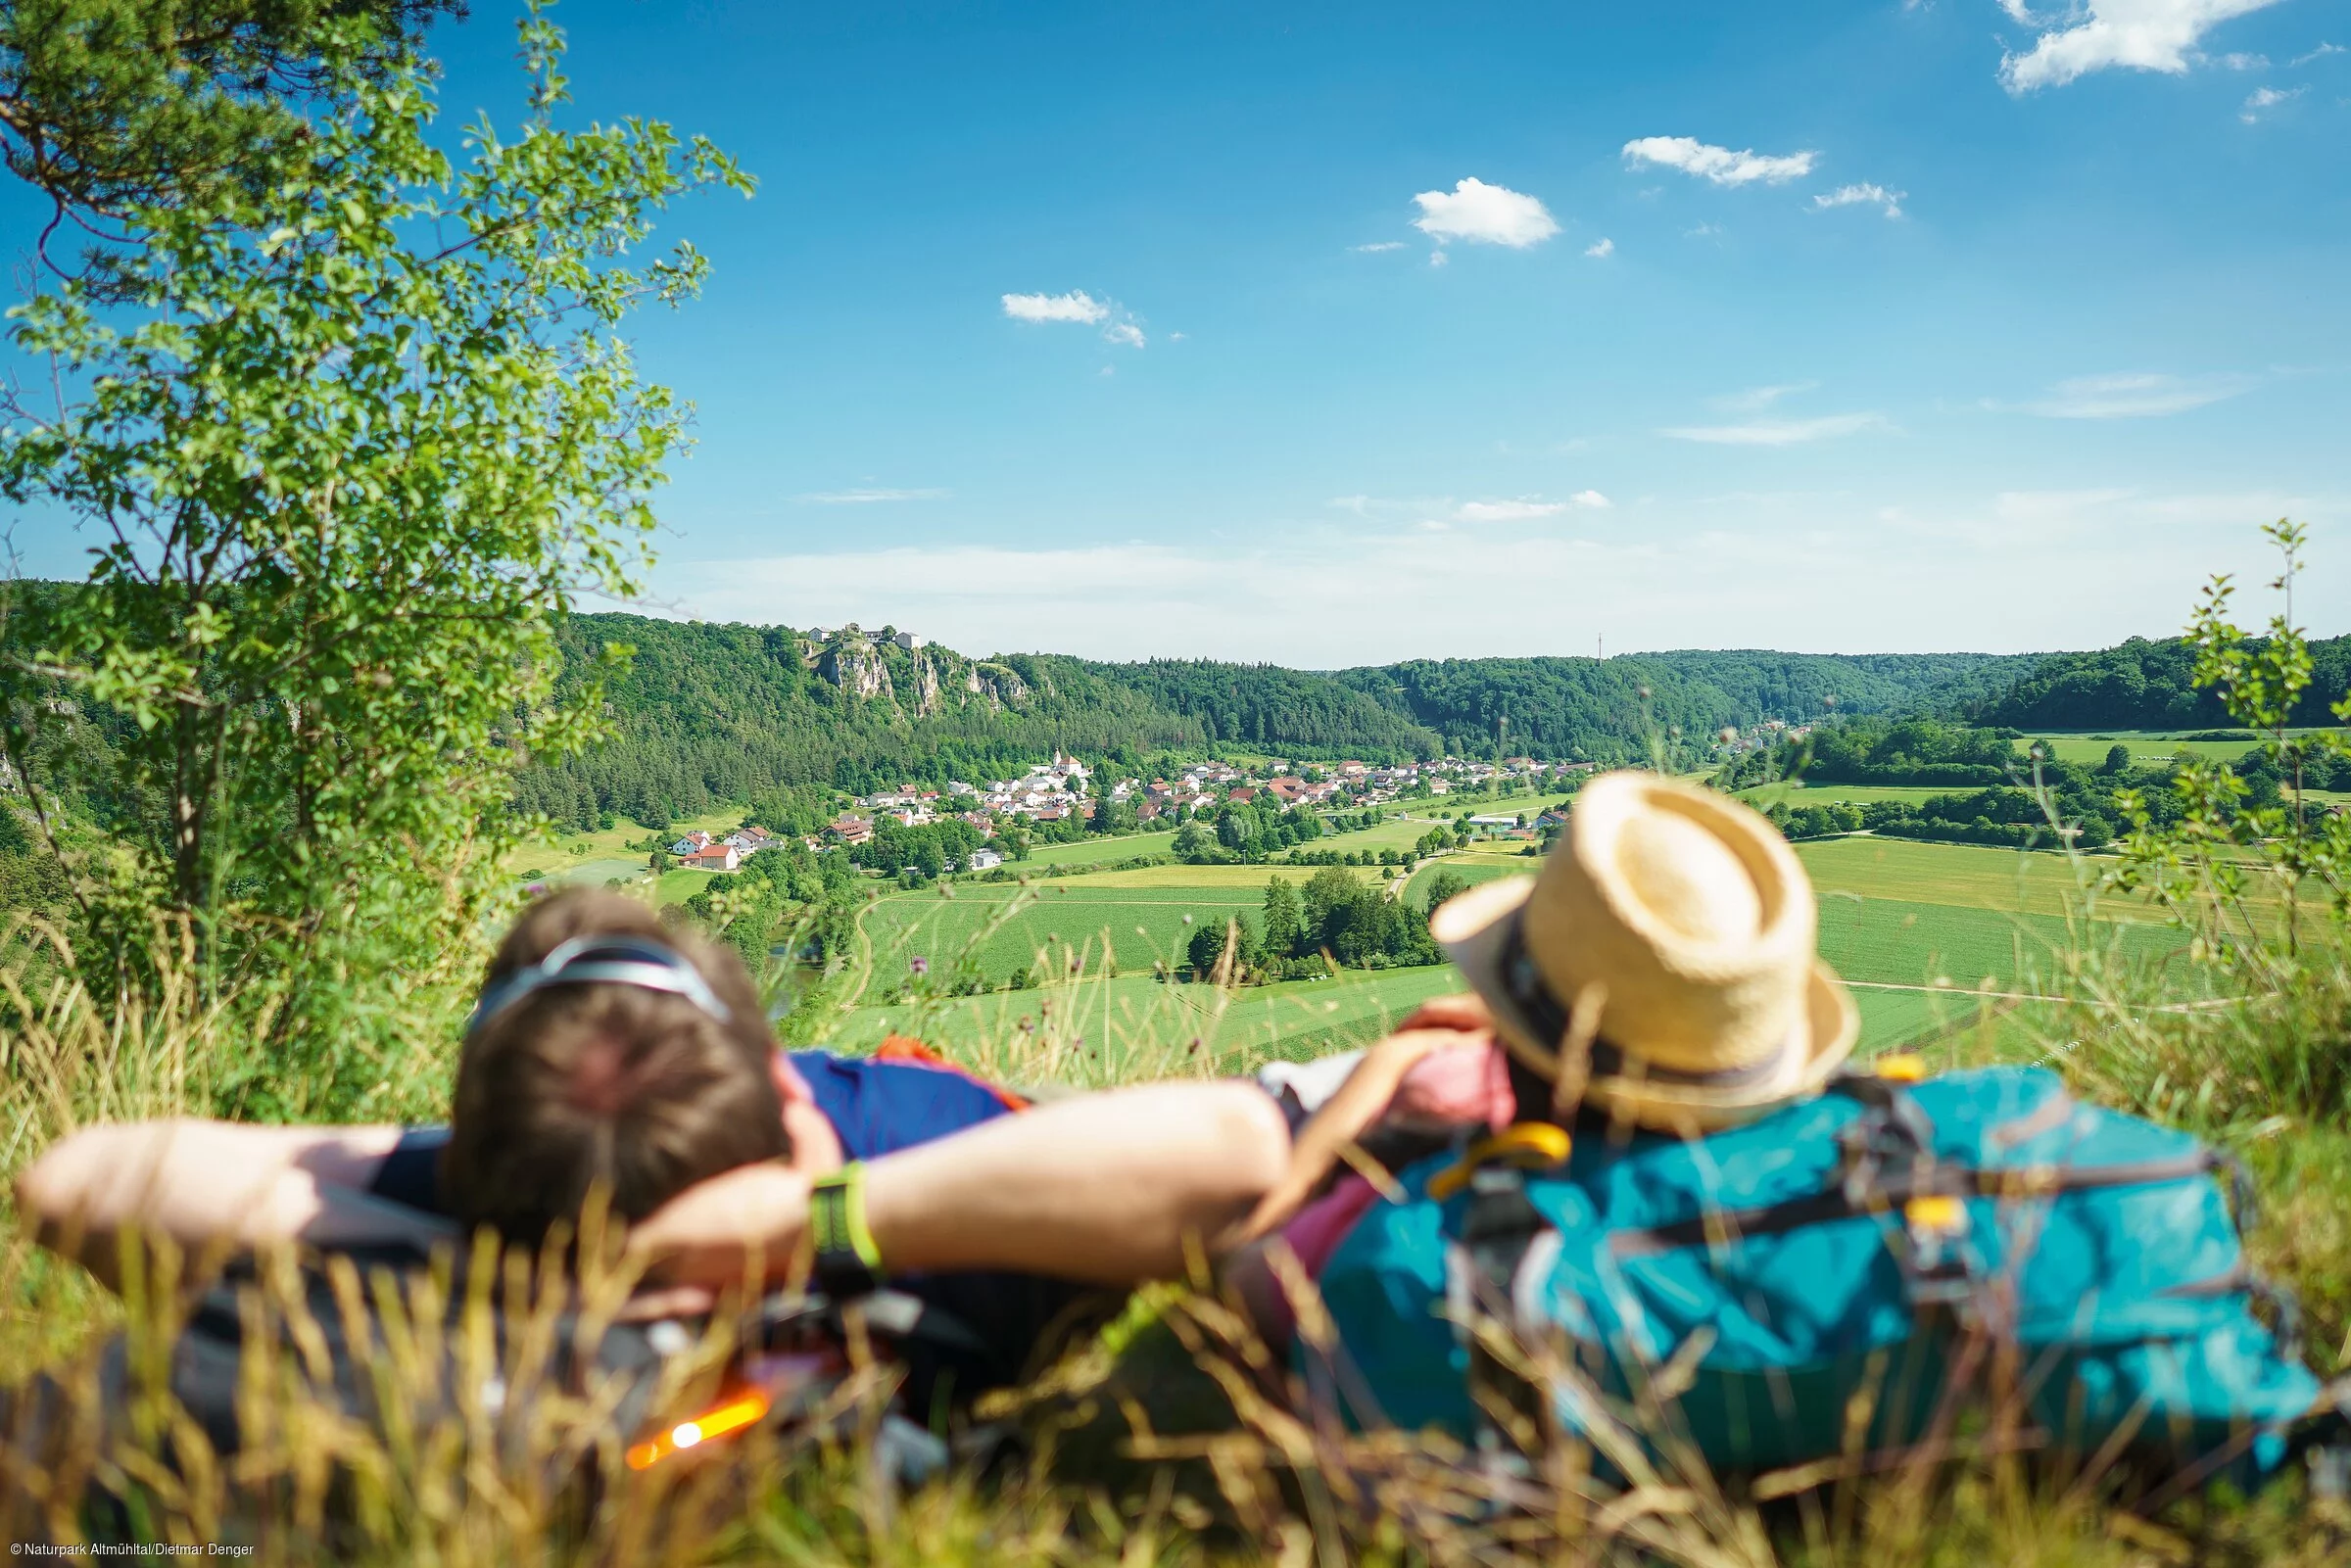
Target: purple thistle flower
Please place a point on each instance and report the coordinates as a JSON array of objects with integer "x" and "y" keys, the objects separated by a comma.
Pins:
[{"x": 921, "y": 966}]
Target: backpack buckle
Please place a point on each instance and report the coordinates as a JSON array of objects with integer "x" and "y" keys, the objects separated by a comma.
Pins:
[{"x": 1523, "y": 1145}]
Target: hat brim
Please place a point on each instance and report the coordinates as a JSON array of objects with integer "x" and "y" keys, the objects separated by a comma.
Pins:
[{"x": 1475, "y": 929}]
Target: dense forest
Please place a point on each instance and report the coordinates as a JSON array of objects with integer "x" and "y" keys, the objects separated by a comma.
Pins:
[
  {"x": 703, "y": 714},
  {"x": 2143, "y": 685},
  {"x": 708, "y": 713}
]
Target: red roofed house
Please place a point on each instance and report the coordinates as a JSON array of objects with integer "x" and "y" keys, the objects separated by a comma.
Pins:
[{"x": 713, "y": 856}]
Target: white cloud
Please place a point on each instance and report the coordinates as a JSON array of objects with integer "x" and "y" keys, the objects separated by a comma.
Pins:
[
  {"x": 1176, "y": 336},
  {"x": 1718, "y": 163},
  {"x": 866, "y": 498},
  {"x": 1802, "y": 571},
  {"x": 1125, "y": 332},
  {"x": 1507, "y": 511},
  {"x": 1527, "y": 508},
  {"x": 1487, "y": 215},
  {"x": 1075, "y": 305},
  {"x": 2100, "y": 34},
  {"x": 2138, "y": 395},
  {"x": 1779, "y": 432},
  {"x": 2319, "y": 53},
  {"x": 1863, "y": 196},
  {"x": 1437, "y": 259},
  {"x": 2268, "y": 98},
  {"x": 2236, "y": 61},
  {"x": 1755, "y": 398},
  {"x": 1377, "y": 246},
  {"x": 1602, "y": 247}
]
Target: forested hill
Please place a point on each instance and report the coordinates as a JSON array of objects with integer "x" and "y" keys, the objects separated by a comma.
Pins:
[
  {"x": 2143, "y": 685},
  {"x": 1556, "y": 707},
  {"x": 706, "y": 713}
]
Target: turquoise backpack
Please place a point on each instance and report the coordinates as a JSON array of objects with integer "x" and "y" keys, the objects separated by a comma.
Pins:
[{"x": 1820, "y": 1279}]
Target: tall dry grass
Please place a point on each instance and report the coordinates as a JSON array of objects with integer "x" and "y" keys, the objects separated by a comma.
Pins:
[{"x": 1174, "y": 1437}]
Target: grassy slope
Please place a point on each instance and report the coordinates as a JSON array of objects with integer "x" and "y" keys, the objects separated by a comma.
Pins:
[{"x": 1912, "y": 926}]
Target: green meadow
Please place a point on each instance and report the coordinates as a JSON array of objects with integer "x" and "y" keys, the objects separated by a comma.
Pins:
[{"x": 1931, "y": 937}]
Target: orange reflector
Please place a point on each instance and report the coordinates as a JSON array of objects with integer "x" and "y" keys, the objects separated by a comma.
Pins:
[
  {"x": 716, "y": 1422},
  {"x": 1900, "y": 1068}
]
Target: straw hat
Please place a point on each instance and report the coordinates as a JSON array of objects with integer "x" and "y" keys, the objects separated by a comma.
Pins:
[{"x": 1664, "y": 953}]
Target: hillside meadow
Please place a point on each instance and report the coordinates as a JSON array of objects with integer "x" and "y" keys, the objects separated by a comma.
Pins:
[{"x": 1930, "y": 937}]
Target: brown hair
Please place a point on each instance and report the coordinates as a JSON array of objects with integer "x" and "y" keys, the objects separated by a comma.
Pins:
[{"x": 578, "y": 1086}]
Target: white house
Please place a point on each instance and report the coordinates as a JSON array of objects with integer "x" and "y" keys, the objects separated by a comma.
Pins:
[{"x": 982, "y": 860}]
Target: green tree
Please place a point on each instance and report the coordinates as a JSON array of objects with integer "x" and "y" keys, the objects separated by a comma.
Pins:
[
  {"x": 361, "y": 440},
  {"x": 2118, "y": 759},
  {"x": 113, "y": 107},
  {"x": 2236, "y": 826},
  {"x": 1284, "y": 917}
]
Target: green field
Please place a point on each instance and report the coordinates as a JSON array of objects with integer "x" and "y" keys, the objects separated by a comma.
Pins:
[
  {"x": 1798, "y": 793},
  {"x": 1918, "y": 930},
  {"x": 1100, "y": 851},
  {"x": 2147, "y": 747}
]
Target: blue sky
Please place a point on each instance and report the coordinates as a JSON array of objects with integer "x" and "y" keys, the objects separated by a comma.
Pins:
[{"x": 1352, "y": 332}]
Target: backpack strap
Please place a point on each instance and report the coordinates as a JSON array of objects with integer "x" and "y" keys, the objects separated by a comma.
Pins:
[{"x": 1484, "y": 1270}]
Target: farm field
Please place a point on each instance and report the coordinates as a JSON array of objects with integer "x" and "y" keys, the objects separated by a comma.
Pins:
[
  {"x": 1913, "y": 927},
  {"x": 2146, "y": 746},
  {"x": 1100, "y": 851},
  {"x": 605, "y": 853},
  {"x": 1797, "y": 792}
]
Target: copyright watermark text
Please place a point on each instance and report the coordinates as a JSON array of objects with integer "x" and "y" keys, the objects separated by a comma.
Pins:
[{"x": 133, "y": 1548}]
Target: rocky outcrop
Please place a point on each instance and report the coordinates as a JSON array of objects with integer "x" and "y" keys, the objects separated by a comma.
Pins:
[
  {"x": 1002, "y": 683},
  {"x": 851, "y": 662},
  {"x": 926, "y": 684}
]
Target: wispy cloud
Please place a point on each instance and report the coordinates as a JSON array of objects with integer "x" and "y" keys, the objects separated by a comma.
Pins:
[
  {"x": 1779, "y": 432},
  {"x": 1602, "y": 247},
  {"x": 1080, "y": 307},
  {"x": 2133, "y": 395},
  {"x": 1527, "y": 509},
  {"x": 1865, "y": 195},
  {"x": 2264, "y": 98},
  {"x": 2319, "y": 53},
  {"x": 2106, "y": 35},
  {"x": 1483, "y": 213},
  {"x": 1076, "y": 305},
  {"x": 1807, "y": 571},
  {"x": 867, "y": 497},
  {"x": 1720, "y": 165},
  {"x": 1376, "y": 245},
  {"x": 1755, "y": 398},
  {"x": 2242, "y": 62}
]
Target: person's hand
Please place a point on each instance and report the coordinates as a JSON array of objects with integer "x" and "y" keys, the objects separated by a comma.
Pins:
[
  {"x": 747, "y": 1223},
  {"x": 1465, "y": 1010}
]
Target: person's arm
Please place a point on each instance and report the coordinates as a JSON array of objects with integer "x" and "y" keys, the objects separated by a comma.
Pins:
[
  {"x": 1104, "y": 1188},
  {"x": 213, "y": 1186}
]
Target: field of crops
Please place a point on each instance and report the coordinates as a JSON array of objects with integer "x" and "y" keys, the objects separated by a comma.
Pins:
[
  {"x": 1100, "y": 851},
  {"x": 1916, "y": 929},
  {"x": 2146, "y": 746}
]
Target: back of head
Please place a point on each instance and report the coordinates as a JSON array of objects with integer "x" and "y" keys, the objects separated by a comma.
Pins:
[{"x": 600, "y": 1084}]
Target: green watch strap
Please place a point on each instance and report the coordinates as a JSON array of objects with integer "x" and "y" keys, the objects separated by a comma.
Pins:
[{"x": 847, "y": 1262}]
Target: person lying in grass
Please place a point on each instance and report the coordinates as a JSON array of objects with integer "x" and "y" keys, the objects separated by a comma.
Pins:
[{"x": 606, "y": 1053}]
